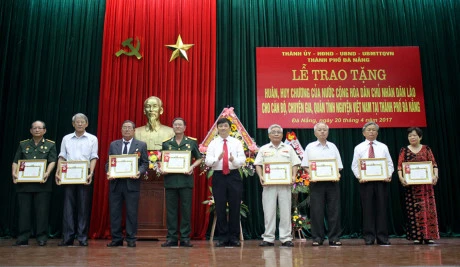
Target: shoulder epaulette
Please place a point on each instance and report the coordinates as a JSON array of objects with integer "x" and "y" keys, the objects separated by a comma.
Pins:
[
  {"x": 51, "y": 141},
  {"x": 193, "y": 138},
  {"x": 169, "y": 139},
  {"x": 24, "y": 141}
]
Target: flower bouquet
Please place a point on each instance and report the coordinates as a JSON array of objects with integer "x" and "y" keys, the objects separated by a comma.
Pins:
[
  {"x": 300, "y": 223},
  {"x": 302, "y": 181},
  {"x": 154, "y": 157}
]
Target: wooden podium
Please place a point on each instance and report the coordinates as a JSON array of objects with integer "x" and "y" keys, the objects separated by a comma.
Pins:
[{"x": 152, "y": 208}]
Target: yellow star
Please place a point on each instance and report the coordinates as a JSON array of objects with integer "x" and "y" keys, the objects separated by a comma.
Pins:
[{"x": 179, "y": 49}]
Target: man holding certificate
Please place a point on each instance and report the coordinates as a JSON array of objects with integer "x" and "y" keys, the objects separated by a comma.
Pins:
[
  {"x": 374, "y": 192},
  {"x": 269, "y": 161},
  {"x": 77, "y": 146},
  {"x": 38, "y": 194},
  {"x": 322, "y": 159},
  {"x": 178, "y": 181},
  {"x": 123, "y": 172}
]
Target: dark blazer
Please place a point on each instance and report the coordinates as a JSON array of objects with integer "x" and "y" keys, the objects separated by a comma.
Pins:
[{"x": 137, "y": 146}]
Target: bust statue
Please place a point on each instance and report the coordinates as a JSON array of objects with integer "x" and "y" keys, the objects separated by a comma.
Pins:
[{"x": 153, "y": 133}]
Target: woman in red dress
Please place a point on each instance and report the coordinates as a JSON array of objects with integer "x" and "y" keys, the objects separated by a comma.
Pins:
[{"x": 422, "y": 220}]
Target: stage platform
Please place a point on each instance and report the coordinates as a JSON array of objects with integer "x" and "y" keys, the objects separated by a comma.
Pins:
[{"x": 446, "y": 252}]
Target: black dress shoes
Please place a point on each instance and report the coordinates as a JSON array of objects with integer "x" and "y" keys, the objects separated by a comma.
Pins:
[
  {"x": 383, "y": 243},
  {"x": 317, "y": 243},
  {"x": 221, "y": 244},
  {"x": 186, "y": 243},
  {"x": 21, "y": 243},
  {"x": 83, "y": 243},
  {"x": 42, "y": 243},
  {"x": 169, "y": 243},
  {"x": 65, "y": 243},
  {"x": 132, "y": 244},
  {"x": 115, "y": 244},
  {"x": 234, "y": 243},
  {"x": 335, "y": 243},
  {"x": 287, "y": 244},
  {"x": 266, "y": 244}
]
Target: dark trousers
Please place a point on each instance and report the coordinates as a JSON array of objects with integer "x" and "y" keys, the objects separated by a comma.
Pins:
[
  {"x": 40, "y": 201},
  {"x": 227, "y": 188},
  {"x": 374, "y": 200},
  {"x": 325, "y": 196},
  {"x": 174, "y": 198},
  {"x": 131, "y": 199},
  {"x": 77, "y": 200}
]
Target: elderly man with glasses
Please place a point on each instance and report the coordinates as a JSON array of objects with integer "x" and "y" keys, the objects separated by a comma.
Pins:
[{"x": 276, "y": 151}]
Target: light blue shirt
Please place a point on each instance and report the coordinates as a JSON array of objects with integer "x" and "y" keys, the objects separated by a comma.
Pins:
[
  {"x": 84, "y": 147},
  {"x": 362, "y": 151},
  {"x": 315, "y": 150}
]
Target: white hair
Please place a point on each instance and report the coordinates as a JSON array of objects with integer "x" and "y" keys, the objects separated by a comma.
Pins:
[{"x": 274, "y": 126}]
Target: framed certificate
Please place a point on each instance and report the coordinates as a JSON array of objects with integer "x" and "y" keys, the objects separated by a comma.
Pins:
[
  {"x": 418, "y": 172},
  {"x": 175, "y": 161},
  {"x": 277, "y": 173},
  {"x": 324, "y": 170},
  {"x": 375, "y": 169},
  {"x": 31, "y": 170},
  {"x": 123, "y": 166},
  {"x": 73, "y": 172}
]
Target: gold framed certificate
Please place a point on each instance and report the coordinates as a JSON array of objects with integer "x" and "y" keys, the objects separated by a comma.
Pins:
[
  {"x": 31, "y": 170},
  {"x": 175, "y": 161},
  {"x": 73, "y": 172},
  {"x": 374, "y": 169},
  {"x": 418, "y": 172},
  {"x": 324, "y": 170},
  {"x": 123, "y": 166},
  {"x": 277, "y": 173}
]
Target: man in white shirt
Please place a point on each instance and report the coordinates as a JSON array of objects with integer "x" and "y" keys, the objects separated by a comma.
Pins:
[
  {"x": 227, "y": 184},
  {"x": 324, "y": 194},
  {"x": 374, "y": 195},
  {"x": 277, "y": 151},
  {"x": 79, "y": 145}
]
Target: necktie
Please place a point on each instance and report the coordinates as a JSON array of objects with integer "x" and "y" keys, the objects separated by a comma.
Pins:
[
  {"x": 125, "y": 149},
  {"x": 225, "y": 168},
  {"x": 371, "y": 150}
]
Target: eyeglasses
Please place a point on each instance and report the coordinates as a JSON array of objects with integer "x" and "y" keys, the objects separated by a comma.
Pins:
[
  {"x": 276, "y": 132},
  {"x": 127, "y": 128},
  {"x": 38, "y": 128}
]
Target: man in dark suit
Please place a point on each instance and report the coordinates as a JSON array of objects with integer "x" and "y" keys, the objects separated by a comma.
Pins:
[
  {"x": 34, "y": 196},
  {"x": 126, "y": 189}
]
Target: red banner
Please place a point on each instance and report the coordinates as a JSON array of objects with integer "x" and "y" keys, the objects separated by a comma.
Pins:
[{"x": 342, "y": 86}]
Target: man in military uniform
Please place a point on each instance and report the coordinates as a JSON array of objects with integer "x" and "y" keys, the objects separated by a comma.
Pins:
[
  {"x": 35, "y": 195},
  {"x": 179, "y": 187}
]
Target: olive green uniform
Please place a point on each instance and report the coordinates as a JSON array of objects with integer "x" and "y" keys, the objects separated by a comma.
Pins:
[
  {"x": 179, "y": 188},
  {"x": 36, "y": 195}
]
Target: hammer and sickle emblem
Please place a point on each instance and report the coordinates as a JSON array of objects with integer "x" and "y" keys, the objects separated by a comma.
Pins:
[{"x": 134, "y": 51}]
